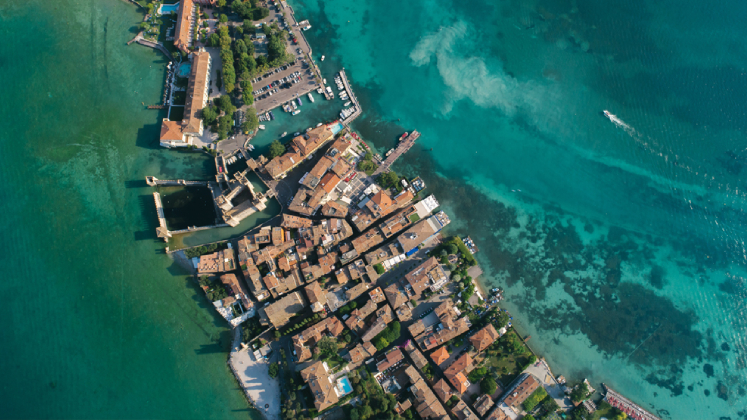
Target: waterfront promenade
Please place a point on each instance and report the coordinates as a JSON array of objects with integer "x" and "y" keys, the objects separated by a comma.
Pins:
[
  {"x": 633, "y": 410},
  {"x": 254, "y": 377}
]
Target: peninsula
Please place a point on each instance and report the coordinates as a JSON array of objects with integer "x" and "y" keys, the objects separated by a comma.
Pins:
[{"x": 352, "y": 302}]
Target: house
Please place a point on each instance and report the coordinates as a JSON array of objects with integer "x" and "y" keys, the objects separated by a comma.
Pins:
[
  {"x": 439, "y": 356},
  {"x": 217, "y": 262},
  {"x": 356, "y": 291},
  {"x": 303, "y": 341},
  {"x": 278, "y": 166},
  {"x": 281, "y": 285},
  {"x": 416, "y": 356},
  {"x": 321, "y": 384},
  {"x": 395, "y": 296},
  {"x": 332, "y": 209},
  {"x": 317, "y": 297},
  {"x": 278, "y": 235},
  {"x": 497, "y": 414},
  {"x": 314, "y": 177},
  {"x": 377, "y": 295},
  {"x": 443, "y": 390},
  {"x": 278, "y": 313},
  {"x": 448, "y": 329},
  {"x": 357, "y": 319},
  {"x": 426, "y": 403},
  {"x": 391, "y": 358},
  {"x": 428, "y": 275},
  {"x": 519, "y": 390},
  {"x": 462, "y": 411},
  {"x": 416, "y": 235},
  {"x": 456, "y": 373},
  {"x": 329, "y": 182},
  {"x": 361, "y": 352},
  {"x": 295, "y": 222},
  {"x": 250, "y": 270},
  {"x": 384, "y": 316},
  {"x": 483, "y": 404},
  {"x": 482, "y": 339},
  {"x": 342, "y": 275}
]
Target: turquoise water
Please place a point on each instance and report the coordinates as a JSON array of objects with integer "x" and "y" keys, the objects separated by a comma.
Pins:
[
  {"x": 184, "y": 69},
  {"x": 97, "y": 322},
  {"x": 620, "y": 245},
  {"x": 168, "y": 8},
  {"x": 344, "y": 384}
]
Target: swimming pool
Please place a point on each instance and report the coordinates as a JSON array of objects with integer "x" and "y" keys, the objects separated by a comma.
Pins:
[
  {"x": 166, "y": 9},
  {"x": 184, "y": 69},
  {"x": 343, "y": 386},
  {"x": 336, "y": 128}
]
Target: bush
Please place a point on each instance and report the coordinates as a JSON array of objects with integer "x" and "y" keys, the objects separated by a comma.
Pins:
[
  {"x": 477, "y": 374},
  {"x": 579, "y": 393},
  {"x": 379, "y": 269},
  {"x": 380, "y": 343},
  {"x": 274, "y": 370},
  {"x": 537, "y": 396}
]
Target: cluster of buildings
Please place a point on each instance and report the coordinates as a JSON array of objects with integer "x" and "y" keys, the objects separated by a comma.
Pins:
[{"x": 300, "y": 148}]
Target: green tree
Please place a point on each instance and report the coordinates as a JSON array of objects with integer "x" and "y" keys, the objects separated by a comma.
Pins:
[
  {"x": 327, "y": 347},
  {"x": 251, "y": 122},
  {"x": 380, "y": 343},
  {"x": 488, "y": 385},
  {"x": 580, "y": 392},
  {"x": 528, "y": 417},
  {"x": 379, "y": 269},
  {"x": 388, "y": 180},
  {"x": 221, "y": 3},
  {"x": 224, "y": 104},
  {"x": 260, "y": 13},
  {"x": 276, "y": 149},
  {"x": 224, "y": 126},
  {"x": 537, "y": 396},
  {"x": 223, "y": 18},
  {"x": 247, "y": 97}
]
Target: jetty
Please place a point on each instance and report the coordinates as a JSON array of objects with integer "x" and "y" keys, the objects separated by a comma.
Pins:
[
  {"x": 633, "y": 410},
  {"x": 357, "y": 112},
  {"x": 156, "y": 106},
  {"x": 155, "y": 45},
  {"x": 402, "y": 148},
  {"x": 153, "y": 182}
]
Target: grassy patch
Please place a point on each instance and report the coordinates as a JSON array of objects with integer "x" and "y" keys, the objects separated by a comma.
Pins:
[{"x": 414, "y": 217}]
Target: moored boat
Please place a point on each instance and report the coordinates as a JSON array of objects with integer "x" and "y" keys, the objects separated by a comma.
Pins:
[
  {"x": 296, "y": 112},
  {"x": 311, "y": 98}
]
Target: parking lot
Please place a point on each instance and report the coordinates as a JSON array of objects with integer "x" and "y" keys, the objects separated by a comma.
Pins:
[{"x": 283, "y": 84}]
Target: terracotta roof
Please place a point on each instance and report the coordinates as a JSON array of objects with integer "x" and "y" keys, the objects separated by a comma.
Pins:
[
  {"x": 395, "y": 296},
  {"x": 316, "y": 295},
  {"x": 171, "y": 130},
  {"x": 483, "y": 404},
  {"x": 361, "y": 352},
  {"x": 329, "y": 182},
  {"x": 523, "y": 389},
  {"x": 443, "y": 390},
  {"x": 322, "y": 389},
  {"x": 439, "y": 356},
  {"x": 377, "y": 295},
  {"x": 294, "y": 222},
  {"x": 196, "y": 93},
  {"x": 484, "y": 338},
  {"x": 455, "y": 373},
  {"x": 332, "y": 209},
  {"x": 282, "y": 164},
  {"x": 181, "y": 36},
  {"x": 392, "y": 357}
]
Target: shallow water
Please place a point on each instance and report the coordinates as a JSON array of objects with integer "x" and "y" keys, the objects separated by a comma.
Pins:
[{"x": 620, "y": 245}]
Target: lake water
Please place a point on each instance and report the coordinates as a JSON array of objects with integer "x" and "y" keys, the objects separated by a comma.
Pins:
[{"x": 621, "y": 246}]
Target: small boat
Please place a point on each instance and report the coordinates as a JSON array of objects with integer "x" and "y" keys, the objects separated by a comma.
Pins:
[
  {"x": 297, "y": 133},
  {"x": 299, "y": 101},
  {"x": 319, "y": 125},
  {"x": 320, "y": 91},
  {"x": 285, "y": 133},
  {"x": 347, "y": 103},
  {"x": 296, "y": 112},
  {"x": 311, "y": 98},
  {"x": 293, "y": 104},
  {"x": 324, "y": 81},
  {"x": 261, "y": 127},
  {"x": 322, "y": 58},
  {"x": 403, "y": 136},
  {"x": 272, "y": 116}
]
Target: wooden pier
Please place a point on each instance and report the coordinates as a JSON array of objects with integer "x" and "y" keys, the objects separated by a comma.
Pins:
[
  {"x": 156, "y": 106},
  {"x": 402, "y": 148}
]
